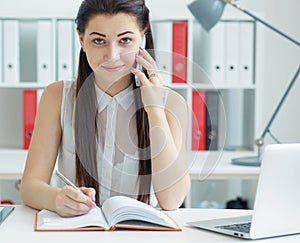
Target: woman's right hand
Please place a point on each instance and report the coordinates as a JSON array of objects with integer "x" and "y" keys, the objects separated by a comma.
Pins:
[{"x": 71, "y": 202}]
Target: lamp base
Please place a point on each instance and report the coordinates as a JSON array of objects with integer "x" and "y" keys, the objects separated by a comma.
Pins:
[{"x": 246, "y": 161}]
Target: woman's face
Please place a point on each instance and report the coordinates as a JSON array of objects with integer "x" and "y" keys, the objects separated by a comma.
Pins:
[{"x": 111, "y": 43}]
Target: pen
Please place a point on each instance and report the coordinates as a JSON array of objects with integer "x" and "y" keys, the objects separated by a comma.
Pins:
[{"x": 66, "y": 180}]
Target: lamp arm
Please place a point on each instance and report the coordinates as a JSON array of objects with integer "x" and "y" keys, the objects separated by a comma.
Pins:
[
  {"x": 280, "y": 103},
  {"x": 261, "y": 21}
]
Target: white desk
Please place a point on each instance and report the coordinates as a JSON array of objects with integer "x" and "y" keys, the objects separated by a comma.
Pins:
[
  {"x": 203, "y": 165},
  {"x": 18, "y": 227}
]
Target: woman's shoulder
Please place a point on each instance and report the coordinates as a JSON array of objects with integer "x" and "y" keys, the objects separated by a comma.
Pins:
[{"x": 56, "y": 89}]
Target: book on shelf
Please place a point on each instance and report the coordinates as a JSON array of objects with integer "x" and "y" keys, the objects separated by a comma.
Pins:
[
  {"x": 1, "y": 51},
  {"x": 44, "y": 47},
  {"x": 162, "y": 32},
  {"x": 198, "y": 120},
  {"x": 170, "y": 41},
  {"x": 65, "y": 49},
  {"x": 212, "y": 120},
  {"x": 231, "y": 52},
  {"x": 11, "y": 52},
  {"x": 246, "y": 52},
  {"x": 118, "y": 212},
  {"x": 216, "y": 56},
  {"x": 30, "y": 100},
  {"x": 179, "y": 50}
]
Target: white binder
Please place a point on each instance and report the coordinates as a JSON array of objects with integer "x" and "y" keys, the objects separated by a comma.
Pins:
[
  {"x": 246, "y": 51},
  {"x": 231, "y": 52},
  {"x": 11, "y": 52},
  {"x": 44, "y": 51},
  {"x": 77, "y": 48},
  {"x": 234, "y": 103},
  {"x": 163, "y": 49},
  {"x": 65, "y": 54},
  {"x": 1, "y": 53},
  {"x": 217, "y": 54}
]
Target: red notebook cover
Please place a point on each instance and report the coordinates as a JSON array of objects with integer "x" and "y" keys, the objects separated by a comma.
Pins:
[
  {"x": 198, "y": 120},
  {"x": 179, "y": 48},
  {"x": 29, "y": 112}
]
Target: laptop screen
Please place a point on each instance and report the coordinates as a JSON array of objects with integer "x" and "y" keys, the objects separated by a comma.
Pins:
[{"x": 5, "y": 210}]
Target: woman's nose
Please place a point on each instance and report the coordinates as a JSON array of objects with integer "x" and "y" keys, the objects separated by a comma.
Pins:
[{"x": 113, "y": 53}]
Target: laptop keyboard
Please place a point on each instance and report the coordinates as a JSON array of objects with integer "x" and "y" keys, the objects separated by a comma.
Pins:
[{"x": 243, "y": 227}]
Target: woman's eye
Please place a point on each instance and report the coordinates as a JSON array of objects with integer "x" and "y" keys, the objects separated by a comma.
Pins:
[
  {"x": 98, "y": 41},
  {"x": 125, "y": 40}
]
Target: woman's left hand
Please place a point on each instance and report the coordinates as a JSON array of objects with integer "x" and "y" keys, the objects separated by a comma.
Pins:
[{"x": 152, "y": 87}]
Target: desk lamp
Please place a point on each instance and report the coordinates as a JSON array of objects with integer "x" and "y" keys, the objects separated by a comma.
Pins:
[{"x": 208, "y": 13}]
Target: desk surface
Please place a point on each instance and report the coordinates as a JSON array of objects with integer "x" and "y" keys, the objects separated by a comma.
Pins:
[
  {"x": 203, "y": 165},
  {"x": 18, "y": 227}
]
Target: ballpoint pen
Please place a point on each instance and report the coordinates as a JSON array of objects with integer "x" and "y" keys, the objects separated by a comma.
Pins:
[{"x": 66, "y": 180}]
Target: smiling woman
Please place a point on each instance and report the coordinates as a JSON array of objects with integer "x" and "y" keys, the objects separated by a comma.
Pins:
[
  {"x": 111, "y": 51},
  {"x": 111, "y": 136}
]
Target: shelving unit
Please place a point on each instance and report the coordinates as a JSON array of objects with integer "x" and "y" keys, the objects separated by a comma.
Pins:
[
  {"x": 238, "y": 101},
  {"x": 199, "y": 78},
  {"x": 31, "y": 63},
  {"x": 197, "y": 75}
]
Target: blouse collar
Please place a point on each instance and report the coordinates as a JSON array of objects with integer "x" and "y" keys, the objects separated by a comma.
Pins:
[{"x": 125, "y": 98}]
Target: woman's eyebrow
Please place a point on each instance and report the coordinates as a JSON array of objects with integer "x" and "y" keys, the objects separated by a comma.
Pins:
[
  {"x": 97, "y": 33},
  {"x": 124, "y": 33}
]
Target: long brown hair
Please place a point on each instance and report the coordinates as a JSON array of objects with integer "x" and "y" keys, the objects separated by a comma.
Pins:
[{"x": 86, "y": 105}]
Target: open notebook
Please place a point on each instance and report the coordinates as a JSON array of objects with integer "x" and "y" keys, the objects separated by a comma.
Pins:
[{"x": 116, "y": 212}]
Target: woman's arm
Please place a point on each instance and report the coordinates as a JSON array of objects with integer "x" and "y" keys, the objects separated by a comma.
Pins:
[
  {"x": 170, "y": 176},
  {"x": 35, "y": 189},
  {"x": 168, "y": 126}
]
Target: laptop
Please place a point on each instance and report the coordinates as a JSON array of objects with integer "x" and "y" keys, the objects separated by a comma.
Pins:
[{"x": 276, "y": 209}]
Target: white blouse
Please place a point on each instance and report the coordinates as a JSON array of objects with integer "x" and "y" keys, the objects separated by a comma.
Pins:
[{"x": 117, "y": 152}]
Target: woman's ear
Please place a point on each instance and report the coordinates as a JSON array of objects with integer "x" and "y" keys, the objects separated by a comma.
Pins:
[{"x": 80, "y": 36}]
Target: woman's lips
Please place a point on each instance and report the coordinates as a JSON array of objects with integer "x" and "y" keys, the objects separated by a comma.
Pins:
[{"x": 114, "y": 68}]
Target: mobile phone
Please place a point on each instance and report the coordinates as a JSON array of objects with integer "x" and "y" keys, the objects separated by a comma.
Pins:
[
  {"x": 137, "y": 80},
  {"x": 139, "y": 66}
]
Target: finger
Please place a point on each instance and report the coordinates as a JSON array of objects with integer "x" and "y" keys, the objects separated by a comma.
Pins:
[
  {"x": 152, "y": 71},
  {"x": 141, "y": 76},
  {"x": 90, "y": 192},
  {"x": 78, "y": 196},
  {"x": 141, "y": 60},
  {"x": 67, "y": 207},
  {"x": 148, "y": 57}
]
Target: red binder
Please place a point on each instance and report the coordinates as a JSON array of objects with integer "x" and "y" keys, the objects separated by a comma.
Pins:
[
  {"x": 179, "y": 48},
  {"x": 29, "y": 112},
  {"x": 198, "y": 120}
]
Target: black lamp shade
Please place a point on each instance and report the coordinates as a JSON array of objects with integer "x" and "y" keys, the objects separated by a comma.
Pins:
[{"x": 207, "y": 12}]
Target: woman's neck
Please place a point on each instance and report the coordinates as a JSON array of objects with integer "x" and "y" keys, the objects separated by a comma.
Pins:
[{"x": 116, "y": 87}]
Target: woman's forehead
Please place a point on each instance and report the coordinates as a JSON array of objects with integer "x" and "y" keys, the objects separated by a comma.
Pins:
[{"x": 115, "y": 23}]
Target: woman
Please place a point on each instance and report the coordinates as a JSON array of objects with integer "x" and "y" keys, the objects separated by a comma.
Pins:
[{"x": 111, "y": 135}]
